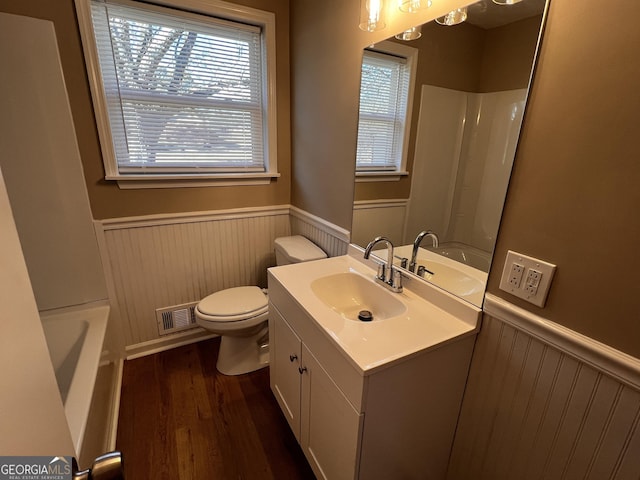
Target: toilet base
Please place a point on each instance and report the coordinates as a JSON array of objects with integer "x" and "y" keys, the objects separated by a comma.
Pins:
[{"x": 240, "y": 355}]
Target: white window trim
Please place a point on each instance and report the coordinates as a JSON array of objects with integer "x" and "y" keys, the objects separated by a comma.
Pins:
[
  {"x": 230, "y": 11},
  {"x": 411, "y": 54}
]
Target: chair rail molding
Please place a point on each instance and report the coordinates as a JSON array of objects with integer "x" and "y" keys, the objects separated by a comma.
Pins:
[{"x": 617, "y": 364}]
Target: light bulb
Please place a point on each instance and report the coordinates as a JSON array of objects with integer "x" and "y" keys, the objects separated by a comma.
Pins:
[
  {"x": 412, "y": 33},
  {"x": 372, "y": 15},
  {"x": 454, "y": 17},
  {"x": 412, "y": 6}
]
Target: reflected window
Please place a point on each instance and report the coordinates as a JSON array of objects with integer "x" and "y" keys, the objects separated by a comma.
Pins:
[{"x": 383, "y": 128}]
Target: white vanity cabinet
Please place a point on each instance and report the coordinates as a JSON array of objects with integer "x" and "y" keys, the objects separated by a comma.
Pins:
[
  {"x": 393, "y": 421},
  {"x": 324, "y": 422}
]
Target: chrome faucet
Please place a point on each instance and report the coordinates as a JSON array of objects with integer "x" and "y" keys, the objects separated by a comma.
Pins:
[
  {"x": 388, "y": 275},
  {"x": 416, "y": 245}
]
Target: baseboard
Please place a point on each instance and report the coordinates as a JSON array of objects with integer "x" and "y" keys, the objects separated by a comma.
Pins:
[{"x": 166, "y": 343}]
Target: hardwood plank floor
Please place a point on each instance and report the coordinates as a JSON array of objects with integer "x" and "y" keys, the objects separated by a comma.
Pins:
[{"x": 180, "y": 419}]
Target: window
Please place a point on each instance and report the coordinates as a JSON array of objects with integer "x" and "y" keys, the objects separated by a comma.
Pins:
[
  {"x": 385, "y": 88},
  {"x": 180, "y": 95}
]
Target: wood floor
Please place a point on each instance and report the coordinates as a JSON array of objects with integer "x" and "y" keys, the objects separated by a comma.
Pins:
[{"x": 182, "y": 420}]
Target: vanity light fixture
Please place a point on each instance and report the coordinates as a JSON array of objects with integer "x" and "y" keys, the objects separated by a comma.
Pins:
[
  {"x": 411, "y": 6},
  {"x": 506, "y": 2},
  {"x": 454, "y": 17},
  {"x": 372, "y": 15},
  {"x": 412, "y": 33}
]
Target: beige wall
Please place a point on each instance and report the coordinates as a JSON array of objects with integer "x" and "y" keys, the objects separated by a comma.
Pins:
[
  {"x": 107, "y": 200},
  {"x": 322, "y": 158},
  {"x": 448, "y": 57},
  {"x": 508, "y": 55},
  {"x": 326, "y": 54},
  {"x": 574, "y": 193},
  {"x": 574, "y": 196}
]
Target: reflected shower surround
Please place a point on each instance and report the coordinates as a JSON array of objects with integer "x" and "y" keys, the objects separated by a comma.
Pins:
[
  {"x": 372, "y": 15},
  {"x": 454, "y": 17}
]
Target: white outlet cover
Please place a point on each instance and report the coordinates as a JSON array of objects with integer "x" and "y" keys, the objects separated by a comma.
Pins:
[{"x": 547, "y": 269}]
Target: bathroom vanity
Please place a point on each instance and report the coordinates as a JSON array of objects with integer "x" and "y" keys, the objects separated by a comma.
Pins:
[{"x": 374, "y": 399}]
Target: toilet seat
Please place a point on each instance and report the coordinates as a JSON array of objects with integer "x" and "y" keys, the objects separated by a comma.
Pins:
[{"x": 233, "y": 305}]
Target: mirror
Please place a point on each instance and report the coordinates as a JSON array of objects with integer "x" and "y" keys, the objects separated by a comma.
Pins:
[{"x": 468, "y": 100}]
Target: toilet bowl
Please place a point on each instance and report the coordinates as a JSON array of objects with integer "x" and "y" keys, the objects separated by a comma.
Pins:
[{"x": 240, "y": 314}]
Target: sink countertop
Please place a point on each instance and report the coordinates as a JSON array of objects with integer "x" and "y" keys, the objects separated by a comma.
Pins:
[
  {"x": 371, "y": 346},
  {"x": 458, "y": 278}
]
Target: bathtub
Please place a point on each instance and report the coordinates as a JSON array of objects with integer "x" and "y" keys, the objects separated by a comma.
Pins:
[{"x": 75, "y": 338}]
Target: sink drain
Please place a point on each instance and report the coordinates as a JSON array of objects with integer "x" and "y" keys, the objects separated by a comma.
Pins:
[{"x": 365, "y": 315}]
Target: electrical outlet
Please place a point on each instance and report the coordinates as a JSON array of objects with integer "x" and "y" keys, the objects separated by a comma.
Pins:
[
  {"x": 537, "y": 277},
  {"x": 515, "y": 276},
  {"x": 533, "y": 281}
]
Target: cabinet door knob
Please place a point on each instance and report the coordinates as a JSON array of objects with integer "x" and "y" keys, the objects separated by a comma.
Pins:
[
  {"x": 302, "y": 370},
  {"x": 293, "y": 357}
]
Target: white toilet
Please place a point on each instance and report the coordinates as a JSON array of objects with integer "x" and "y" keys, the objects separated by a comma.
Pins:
[{"x": 239, "y": 315}]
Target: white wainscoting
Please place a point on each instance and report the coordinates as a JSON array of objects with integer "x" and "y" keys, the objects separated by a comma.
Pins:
[
  {"x": 332, "y": 239},
  {"x": 159, "y": 261},
  {"x": 543, "y": 401}
]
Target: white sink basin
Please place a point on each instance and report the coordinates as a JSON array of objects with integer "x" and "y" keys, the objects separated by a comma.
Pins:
[
  {"x": 332, "y": 291},
  {"x": 457, "y": 278},
  {"x": 349, "y": 294},
  {"x": 452, "y": 279}
]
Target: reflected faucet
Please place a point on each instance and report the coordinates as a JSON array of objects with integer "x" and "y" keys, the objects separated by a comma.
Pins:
[
  {"x": 416, "y": 245},
  {"x": 387, "y": 273}
]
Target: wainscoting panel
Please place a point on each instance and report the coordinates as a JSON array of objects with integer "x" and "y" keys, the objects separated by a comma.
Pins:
[
  {"x": 161, "y": 261},
  {"x": 331, "y": 238},
  {"x": 534, "y": 410}
]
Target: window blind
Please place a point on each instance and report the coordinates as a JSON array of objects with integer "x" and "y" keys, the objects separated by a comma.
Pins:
[
  {"x": 383, "y": 104},
  {"x": 183, "y": 91}
]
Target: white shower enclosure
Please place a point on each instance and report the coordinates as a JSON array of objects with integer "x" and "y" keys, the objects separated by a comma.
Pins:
[{"x": 465, "y": 146}]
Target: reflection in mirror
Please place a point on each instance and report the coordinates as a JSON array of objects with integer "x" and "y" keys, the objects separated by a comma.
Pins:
[{"x": 462, "y": 125}]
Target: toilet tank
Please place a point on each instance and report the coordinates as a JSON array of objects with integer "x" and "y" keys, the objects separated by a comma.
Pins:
[{"x": 296, "y": 249}]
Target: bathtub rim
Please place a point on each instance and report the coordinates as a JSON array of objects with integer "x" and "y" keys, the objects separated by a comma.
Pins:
[{"x": 78, "y": 402}]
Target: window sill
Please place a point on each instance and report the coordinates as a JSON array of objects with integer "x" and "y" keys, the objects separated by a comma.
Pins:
[
  {"x": 380, "y": 176},
  {"x": 128, "y": 182}
]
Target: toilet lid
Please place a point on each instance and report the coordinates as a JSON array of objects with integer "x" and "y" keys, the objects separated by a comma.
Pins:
[{"x": 235, "y": 302}]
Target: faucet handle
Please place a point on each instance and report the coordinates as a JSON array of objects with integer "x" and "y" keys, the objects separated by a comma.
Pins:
[
  {"x": 396, "y": 280},
  {"x": 381, "y": 271}
]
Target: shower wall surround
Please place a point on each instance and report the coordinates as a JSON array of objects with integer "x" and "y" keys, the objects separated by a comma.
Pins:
[{"x": 463, "y": 157}]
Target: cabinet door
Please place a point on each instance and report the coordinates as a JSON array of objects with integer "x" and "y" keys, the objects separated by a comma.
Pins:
[
  {"x": 330, "y": 426},
  {"x": 285, "y": 355}
]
